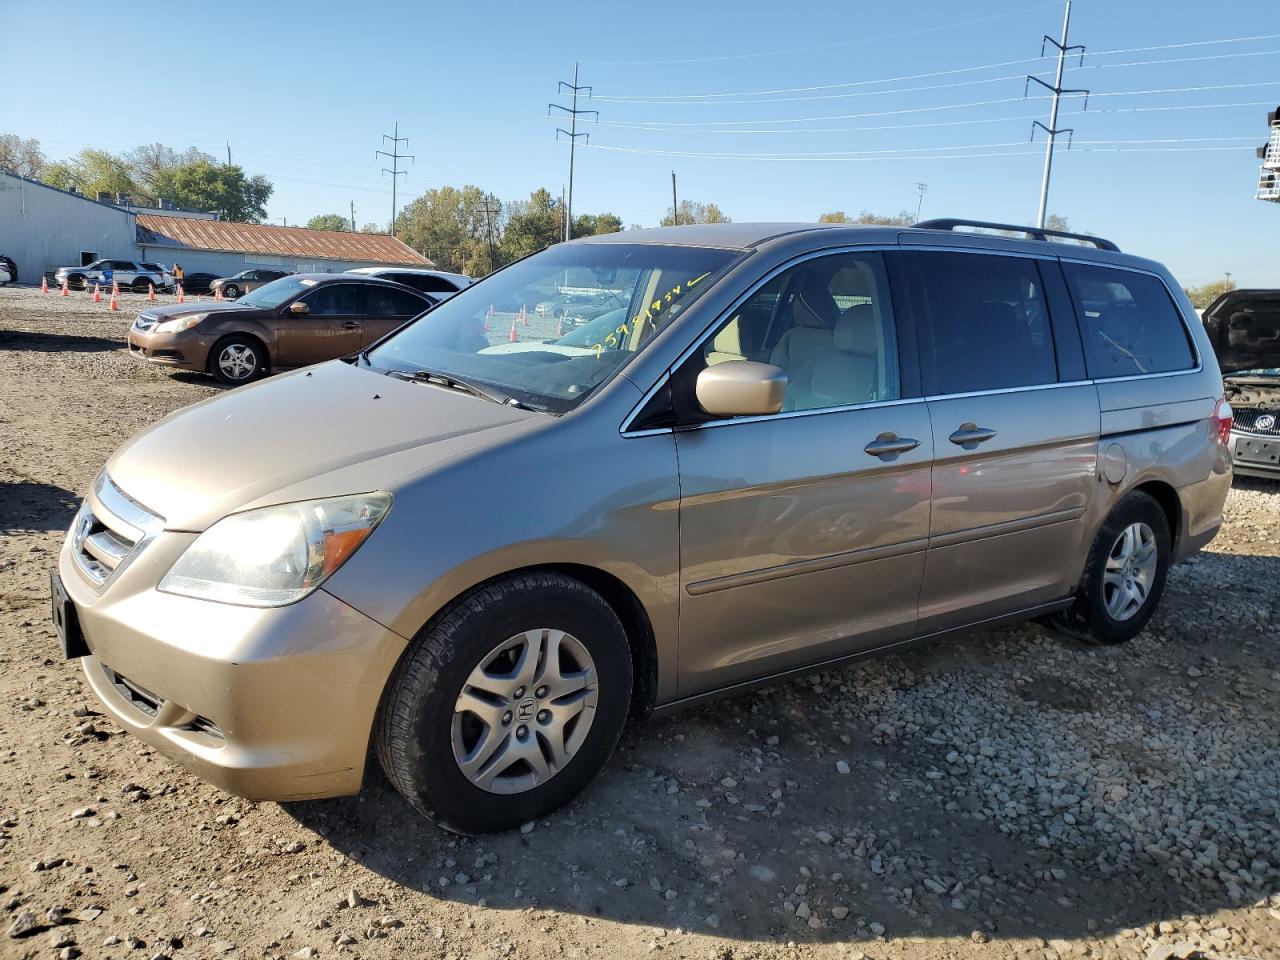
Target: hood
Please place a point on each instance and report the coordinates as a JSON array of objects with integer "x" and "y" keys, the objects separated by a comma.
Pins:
[
  {"x": 323, "y": 431},
  {"x": 172, "y": 310},
  {"x": 1244, "y": 328}
]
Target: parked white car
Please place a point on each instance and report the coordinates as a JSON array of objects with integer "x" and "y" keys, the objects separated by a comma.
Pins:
[
  {"x": 127, "y": 274},
  {"x": 436, "y": 283}
]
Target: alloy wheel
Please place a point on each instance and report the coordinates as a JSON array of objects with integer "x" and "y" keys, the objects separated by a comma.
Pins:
[
  {"x": 1130, "y": 571},
  {"x": 237, "y": 361},
  {"x": 525, "y": 711}
]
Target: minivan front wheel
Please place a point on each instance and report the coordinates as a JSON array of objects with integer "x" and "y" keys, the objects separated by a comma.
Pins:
[
  {"x": 1124, "y": 576},
  {"x": 507, "y": 705}
]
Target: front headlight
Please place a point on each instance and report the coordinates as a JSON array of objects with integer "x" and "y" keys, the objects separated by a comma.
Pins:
[
  {"x": 179, "y": 324},
  {"x": 276, "y": 555}
]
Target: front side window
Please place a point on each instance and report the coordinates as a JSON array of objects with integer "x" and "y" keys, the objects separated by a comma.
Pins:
[
  {"x": 827, "y": 323},
  {"x": 1128, "y": 321},
  {"x": 506, "y": 330},
  {"x": 983, "y": 322}
]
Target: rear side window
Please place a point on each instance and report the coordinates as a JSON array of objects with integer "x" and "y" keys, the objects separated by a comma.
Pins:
[
  {"x": 383, "y": 301},
  {"x": 1128, "y": 321},
  {"x": 425, "y": 283},
  {"x": 984, "y": 323}
]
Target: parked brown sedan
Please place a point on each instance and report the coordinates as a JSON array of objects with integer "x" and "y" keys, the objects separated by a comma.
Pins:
[
  {"x": 245, "y": 281},
  {"x": 292, "y": 322}
]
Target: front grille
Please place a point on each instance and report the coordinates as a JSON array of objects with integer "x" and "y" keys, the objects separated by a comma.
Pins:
[
  {"x": 145, "y": 322},
  {"x": 104, "y": 536},
  {"x": 1246, "y": 421}
]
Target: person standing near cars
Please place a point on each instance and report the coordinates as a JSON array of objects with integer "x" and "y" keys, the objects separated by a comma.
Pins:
[{"x": 178, "y": 275}]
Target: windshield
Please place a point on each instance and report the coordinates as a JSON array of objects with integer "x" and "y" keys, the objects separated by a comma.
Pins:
[
  {"x": 276, "y": 292},
  {"x": 511, "y": 330}
]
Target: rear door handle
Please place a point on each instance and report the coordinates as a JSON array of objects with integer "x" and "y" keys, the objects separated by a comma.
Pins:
[
  {"x": 890, "y": 445},
  {"x": 351, "y": 325},
  {"x": 970, "y": 435}
]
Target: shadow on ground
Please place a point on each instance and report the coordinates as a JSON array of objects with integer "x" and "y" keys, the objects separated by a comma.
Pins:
[
  {"x": 57, "y": 342},
  {"x": 661, "y": 818},
  {"x": 35, "y": 507}
]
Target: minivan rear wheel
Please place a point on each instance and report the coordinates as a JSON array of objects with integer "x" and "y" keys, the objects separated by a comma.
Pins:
[
  {"x": 507, "y": 705},
  {"x": 1124, "y": 576}
]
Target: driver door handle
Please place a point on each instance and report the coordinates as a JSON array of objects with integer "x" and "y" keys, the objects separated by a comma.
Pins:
[
  {"x": 890, "y": 445},
  {"x": 970, "y": 435},
  {"x": 351, "y": 325}
]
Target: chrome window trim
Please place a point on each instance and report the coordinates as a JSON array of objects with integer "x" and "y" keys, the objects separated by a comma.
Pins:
[{"x": 1047, "y": 256}]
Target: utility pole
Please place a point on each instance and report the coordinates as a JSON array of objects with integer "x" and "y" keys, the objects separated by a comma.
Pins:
[
  {"x": 395, "y": 171},
  {"x": 920, "y": 190},
  {"x": 353, "y": 216},
  {"x": 1057, "y": 90},
  {"x": 573, "y": 135},
  {"x": 489, "y": 214},
  {"x": 228, "y": 153},
  {"x": 675, "y": 208}
]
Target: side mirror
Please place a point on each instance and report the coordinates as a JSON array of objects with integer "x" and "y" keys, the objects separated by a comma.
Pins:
[
  {"x": 299, "y": 309},
  {"x": 741, "y": 388}
]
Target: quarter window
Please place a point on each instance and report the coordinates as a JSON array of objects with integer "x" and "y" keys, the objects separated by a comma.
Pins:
[
  {"x": 984, "y": 323},
  {"x": 827, "y": 323},
  {"x": 1129, "y": 323}
]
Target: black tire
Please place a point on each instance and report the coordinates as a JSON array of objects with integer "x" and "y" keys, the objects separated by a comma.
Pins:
[
  {"x": 140, "y": 285},
  {"x": 75, "y": 281},
  {"x": 1088, "y": 618},
  {"x": 230, "y": 291},
  {"x": 224, "y": 373},
  {"x": 413, "y": 731}
]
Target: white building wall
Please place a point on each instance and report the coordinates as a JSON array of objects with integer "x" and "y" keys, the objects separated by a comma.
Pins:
[{"x": 42, "y": 228}]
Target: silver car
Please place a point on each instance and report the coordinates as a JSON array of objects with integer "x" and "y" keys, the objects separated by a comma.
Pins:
[{"x": 800, "y": 444}]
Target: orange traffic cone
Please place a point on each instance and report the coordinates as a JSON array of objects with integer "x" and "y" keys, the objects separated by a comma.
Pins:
[
  {"x": 115, "y": 289},
  {"x": 181, "y": 298},
  {"x": 115, "y": 301},
  {"x": 217, "y": 294},
  {"x": 97, "y": 294},
  {"x": 488, "y": 319},
  {"x": 151, "y": 292},
  {"x": 524, "y": 317},
  {"x": 65, "y": 292},
  {"x": 514, "y": 336},
  {"x": 560, "y": 327},
  {"x": 44, "y": 284}
]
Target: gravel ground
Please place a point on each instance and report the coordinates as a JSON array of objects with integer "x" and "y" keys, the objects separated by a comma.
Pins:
[{"x": 1009, "y": 794}]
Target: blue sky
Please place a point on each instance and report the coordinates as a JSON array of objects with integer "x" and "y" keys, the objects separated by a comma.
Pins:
[{"x": 303, "y": 92}]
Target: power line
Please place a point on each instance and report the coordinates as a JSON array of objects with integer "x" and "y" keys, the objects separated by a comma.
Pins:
[
  {"x": 573, "y": 135},
  {"x": 932, "y": 155},
  {"x": 395, "y": 171},
  {"x": 826, "y": 46}
]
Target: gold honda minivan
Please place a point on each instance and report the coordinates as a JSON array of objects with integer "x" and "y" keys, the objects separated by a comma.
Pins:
[{"x": 480, "y": 544}]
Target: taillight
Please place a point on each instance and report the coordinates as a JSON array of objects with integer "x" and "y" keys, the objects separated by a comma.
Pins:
[{"x": 1223, "y": 416}]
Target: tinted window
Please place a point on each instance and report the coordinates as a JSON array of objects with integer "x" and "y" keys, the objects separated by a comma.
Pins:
[
  {"x": 335, "y": 299},
  {"x": 122, "y": 265},
  {"x": 383, "y": 301},
  {"x": 984, "y": 325},
  {"x": 828, "y": 324},
  {"x": 1128, "y": 322},
  {"x": 427, "y": 284}
]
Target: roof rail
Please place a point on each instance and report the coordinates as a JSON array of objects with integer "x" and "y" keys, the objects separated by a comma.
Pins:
[{"x": 1035, "y": 233}]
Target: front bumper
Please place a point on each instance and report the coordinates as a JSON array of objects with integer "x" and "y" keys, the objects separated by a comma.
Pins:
[
  {"x": 1255, "y": 455},
  {"x": 183, "y": 350},
  {"x": 269, "y": 704}
]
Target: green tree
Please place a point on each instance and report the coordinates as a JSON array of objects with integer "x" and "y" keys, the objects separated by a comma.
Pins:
[
  {"x": 147, "y": 163},
  {"x": 218, "y": 188},
  {"x": 1203, "y": 295},
  {"x": 91, "y": 171},
  {"x": 21, "y": 156},
  {"x": 1055, "y": 221},
  {"x": 330, "y": 221},
  {"x": 591, "y": 224},
  {"x": 373, "y": 228},
  {"x": 448, "y": 226},
  {"x": 903, "y": 219},
  {"x": 532, "y": 225},
  {"x": 835, "y": 216},
  {"x": 691, "y": 212}
]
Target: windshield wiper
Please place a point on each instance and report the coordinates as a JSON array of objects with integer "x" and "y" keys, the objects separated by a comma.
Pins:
[{"x": 459, "y": 383}]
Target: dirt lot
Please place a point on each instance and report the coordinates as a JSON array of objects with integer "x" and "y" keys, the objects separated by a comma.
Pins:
[{"x": 1009, "y": 794}]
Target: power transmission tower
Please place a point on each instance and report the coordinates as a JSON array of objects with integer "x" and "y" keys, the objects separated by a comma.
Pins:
[
  {"x": 573, "y": 135},
  {"x": 395, "y": 171},
  {"x": 920, "y": 191},
  {"x": 489, "y": 213},
  {"x": 1057, "y": 90}
]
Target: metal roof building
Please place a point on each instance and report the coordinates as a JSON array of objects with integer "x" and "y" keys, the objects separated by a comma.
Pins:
[{"x": 43, "y": 228}]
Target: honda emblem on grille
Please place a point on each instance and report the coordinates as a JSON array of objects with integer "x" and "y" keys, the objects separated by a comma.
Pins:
[
  {"x": 83, "y": 522},
  {"x": 1265, "y": 422}
]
